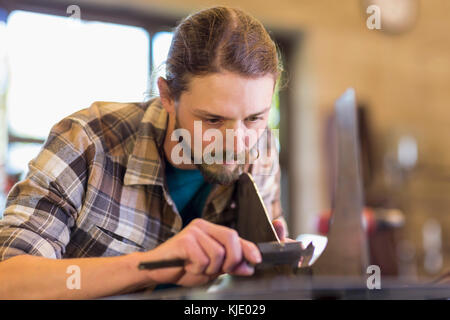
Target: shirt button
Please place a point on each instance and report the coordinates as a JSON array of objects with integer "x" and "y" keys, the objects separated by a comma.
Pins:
[{"x": 233, "y": 205}]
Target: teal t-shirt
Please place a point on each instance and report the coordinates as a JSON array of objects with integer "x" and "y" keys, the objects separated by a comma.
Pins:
[{"x": 189, "y": 190}]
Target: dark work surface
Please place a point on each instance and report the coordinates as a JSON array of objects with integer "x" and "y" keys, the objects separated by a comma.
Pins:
[{"x": 299, "y": 287}]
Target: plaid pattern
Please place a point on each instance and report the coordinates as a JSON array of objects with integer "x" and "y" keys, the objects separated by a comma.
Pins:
[{"x": 97, "y": 188}]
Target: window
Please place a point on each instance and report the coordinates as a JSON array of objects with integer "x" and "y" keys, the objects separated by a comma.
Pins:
[
  {"x": 161, "y": 44},
  {"x": 52, "y": 66},
  {"x": 58, "y": 66}
]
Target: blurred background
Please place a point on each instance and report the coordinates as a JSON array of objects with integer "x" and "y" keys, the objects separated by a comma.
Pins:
[{"x": 57, "y": 57}]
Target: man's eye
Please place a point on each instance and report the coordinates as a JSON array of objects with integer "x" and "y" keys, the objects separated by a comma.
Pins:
[
  {"x": 213, "y": 120},
  {"x": 253, "y": 119}
]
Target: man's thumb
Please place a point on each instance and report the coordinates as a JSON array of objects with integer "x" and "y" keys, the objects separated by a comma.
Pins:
[{"x": 279, "y": 229}]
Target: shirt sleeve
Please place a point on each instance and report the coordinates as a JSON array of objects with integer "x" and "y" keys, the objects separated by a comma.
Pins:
[{"x": 41, "y": 209}]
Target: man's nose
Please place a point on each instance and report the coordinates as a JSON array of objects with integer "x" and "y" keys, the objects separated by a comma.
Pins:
[{"x": 235, "y": 136}]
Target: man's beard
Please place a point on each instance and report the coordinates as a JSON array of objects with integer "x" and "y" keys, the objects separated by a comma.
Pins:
[{"x": 217, "y": 173}]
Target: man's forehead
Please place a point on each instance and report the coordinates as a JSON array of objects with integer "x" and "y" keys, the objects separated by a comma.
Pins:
[
  {"x": 211, "y": 112},
  {"x": 228, "y": 95}
]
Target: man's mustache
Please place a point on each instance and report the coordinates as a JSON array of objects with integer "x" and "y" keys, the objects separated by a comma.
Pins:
[{"x": 225, "y": 155}]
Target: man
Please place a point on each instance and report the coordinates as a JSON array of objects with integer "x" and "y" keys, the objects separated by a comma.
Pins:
[{"x": 107, "y": 191}]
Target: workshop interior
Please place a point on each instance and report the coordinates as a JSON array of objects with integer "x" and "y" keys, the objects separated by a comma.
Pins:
[{"x": 362, "y": 114}]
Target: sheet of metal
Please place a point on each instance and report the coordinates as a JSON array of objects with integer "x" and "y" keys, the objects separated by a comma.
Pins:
[
  {"x": 253, "y": 222},
  {"x": 346, "y": 253}
]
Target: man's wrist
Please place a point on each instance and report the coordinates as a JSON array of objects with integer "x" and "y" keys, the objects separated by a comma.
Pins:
[{"x": 143, "y": 278}]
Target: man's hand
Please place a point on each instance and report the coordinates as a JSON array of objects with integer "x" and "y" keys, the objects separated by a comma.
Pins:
[
  {"x": 209, "y": 250},
  {"x": 280, "y": 229}
]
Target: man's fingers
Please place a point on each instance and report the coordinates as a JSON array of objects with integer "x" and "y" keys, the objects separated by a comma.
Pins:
[
  {"x": 236, "y": 248},
  {"x": 251, "y": 252},
  {"x": 251, "y": 256},
  {"x": 214, "y": 250},
  {"x": 243, "y": 269},
  {"x": 198, "y": 260},
  {"x": 228, "y": 238}
]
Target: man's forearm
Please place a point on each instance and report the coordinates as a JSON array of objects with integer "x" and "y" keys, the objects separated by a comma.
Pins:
[{"x": 31, "y": 277}]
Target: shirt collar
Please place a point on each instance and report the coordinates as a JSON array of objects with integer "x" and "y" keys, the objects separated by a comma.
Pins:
[
  {"x": 221, "y": 197},
  {"x": 145, "y": 161}
]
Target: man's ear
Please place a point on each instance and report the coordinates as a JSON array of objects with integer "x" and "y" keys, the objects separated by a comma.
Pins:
[{"x": 164, "y": 93}]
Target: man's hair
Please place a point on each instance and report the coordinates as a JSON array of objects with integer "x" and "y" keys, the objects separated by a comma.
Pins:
[{"x": 216, "y": 40}]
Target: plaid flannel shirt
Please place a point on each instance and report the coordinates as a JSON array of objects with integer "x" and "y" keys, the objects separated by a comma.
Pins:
[{"x": 97, "y": 188}]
